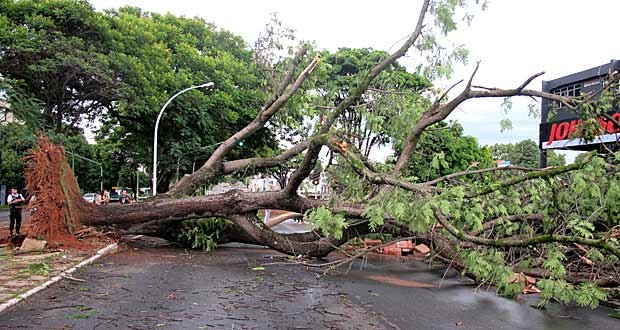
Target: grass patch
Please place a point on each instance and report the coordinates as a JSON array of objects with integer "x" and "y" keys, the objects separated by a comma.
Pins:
[
  {"x": 81, "y": 316},
  {"x": 41, "y": 268}
]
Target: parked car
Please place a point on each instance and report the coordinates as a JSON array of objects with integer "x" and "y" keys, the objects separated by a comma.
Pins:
[{"x": 89, "y": 197}]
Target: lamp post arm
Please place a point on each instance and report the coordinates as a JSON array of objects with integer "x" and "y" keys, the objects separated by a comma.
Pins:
[{"x": 161, "y": 112}]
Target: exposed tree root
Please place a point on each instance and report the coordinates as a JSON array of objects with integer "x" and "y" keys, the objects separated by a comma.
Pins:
[{"x": 54, "y": 194}]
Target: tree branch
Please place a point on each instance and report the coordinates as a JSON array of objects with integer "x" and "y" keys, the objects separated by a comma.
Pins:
[
  {"x": 546, "y": 173},
  {"x": 187, "y": 185},
  {"x": 511, "y": 242},
  {"x": 313, "y": 151},
  {"x": 484, "y": 170},
  {"x": 240, "y": 164}
]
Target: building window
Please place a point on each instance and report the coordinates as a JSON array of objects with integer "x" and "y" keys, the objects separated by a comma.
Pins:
[{"x": 568, "y": 91}]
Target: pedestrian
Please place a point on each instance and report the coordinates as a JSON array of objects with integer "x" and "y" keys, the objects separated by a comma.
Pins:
[
  {"x": 266, "y": 187},
  {"x": 103, "y": 198},
  {"x": 16, "y": 203},
  {"x": 125, "y": 199},
  {"x": 31, "y": 208}
]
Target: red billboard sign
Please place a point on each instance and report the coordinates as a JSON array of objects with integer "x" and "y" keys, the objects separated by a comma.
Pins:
[{"x": 560, "y": 134}]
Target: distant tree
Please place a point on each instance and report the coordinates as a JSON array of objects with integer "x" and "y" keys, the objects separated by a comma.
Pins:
[
  {"x": 555, "y": 159},
  {"x": 444, "y": 150},
  {"x": 371, "y": 120},
  {"x": 525, "y": 153},
  {"x": 16, "y": 140},
  {"x": 154, "y": 56}
]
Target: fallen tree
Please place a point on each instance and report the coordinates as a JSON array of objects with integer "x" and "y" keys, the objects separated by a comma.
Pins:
[{"x": 493, "y": 221}]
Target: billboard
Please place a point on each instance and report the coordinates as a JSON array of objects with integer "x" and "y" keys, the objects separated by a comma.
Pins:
[{"x": 558, "y": 122}]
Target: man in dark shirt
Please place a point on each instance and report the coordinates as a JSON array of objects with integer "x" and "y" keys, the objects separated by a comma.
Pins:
[
  {"x": 15, "y": 202},
  {"x": 125, "y": 199}
]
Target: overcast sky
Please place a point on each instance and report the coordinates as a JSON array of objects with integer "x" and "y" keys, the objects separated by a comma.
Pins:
[{"x": 512, "y": 39}]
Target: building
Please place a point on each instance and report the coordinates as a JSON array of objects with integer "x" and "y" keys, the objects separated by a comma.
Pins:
[
  {"x": 5, "y": 115},
  {"x": 558, "y": 122}
]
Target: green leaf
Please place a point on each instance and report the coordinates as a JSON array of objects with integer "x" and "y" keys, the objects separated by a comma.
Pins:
[
  {"x": 589, "y": 294},
  {"x": 322, "y": 218}
]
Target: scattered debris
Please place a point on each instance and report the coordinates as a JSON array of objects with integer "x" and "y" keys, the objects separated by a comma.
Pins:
[
  {"x": 421, "y": 250},
  {"x": 398, "y": 249},
  {"x": 30, "y": 244},
  {"x": 528, "y": 282},
  {"x": 372, "y": 242},
  {"x": 69, "y": 277}
]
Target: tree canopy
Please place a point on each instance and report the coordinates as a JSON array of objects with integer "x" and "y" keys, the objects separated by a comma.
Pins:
[{"x": 116, "y": 69}]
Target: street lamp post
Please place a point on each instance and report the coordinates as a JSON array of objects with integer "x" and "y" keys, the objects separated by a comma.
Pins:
[{"x": 157, "y": 126}]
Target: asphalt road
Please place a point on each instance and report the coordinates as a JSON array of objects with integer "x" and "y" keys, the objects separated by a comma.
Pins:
[
  {"x": 246, "y": 287},
  {"x": 170, "y": 288}
]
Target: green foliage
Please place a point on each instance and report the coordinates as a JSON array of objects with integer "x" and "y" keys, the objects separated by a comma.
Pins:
[
  {"x": 158, "y": 55},
  {"x": 444, "y": 150},
  {"x": 586, "y": 294},
  {"x": 119, "y": 67},
  {"x": 589, "y": 294},
  {"x": 323, "y": 219},
  {"x": 505, "y": 124},
  {"x": 203, "y": 233},
  {"x": 489, "y": 266},
  {"x": 51, "y": 50},
  {"x": 17, "y": 140},
  {"x": 560, "y": 290},
  {"x": 375, "y": 213},
  {"x": 378, "y": 116},
  {"x": 21, "y": 106},
  {"x": 554, "y": 263}
]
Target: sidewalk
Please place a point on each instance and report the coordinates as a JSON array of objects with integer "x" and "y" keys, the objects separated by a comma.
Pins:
[{"x": 23, "y": 274}]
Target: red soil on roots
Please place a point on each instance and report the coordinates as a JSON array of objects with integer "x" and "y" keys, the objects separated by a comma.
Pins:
[{"x": 57, "y": 200}]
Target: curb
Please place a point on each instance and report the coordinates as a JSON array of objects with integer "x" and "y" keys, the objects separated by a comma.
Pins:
[{"x": 106, "y": 250}]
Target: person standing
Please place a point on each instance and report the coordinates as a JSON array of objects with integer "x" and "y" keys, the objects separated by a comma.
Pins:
[
  {"x": 15, "y": 202},
  {"x": 103, "y": 198},
  {"x": 125, "y": 199},
  {"x": 266, "y": 187}
]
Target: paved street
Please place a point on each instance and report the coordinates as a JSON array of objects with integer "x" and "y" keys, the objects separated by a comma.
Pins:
[{"x": 246, "y": 287}]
